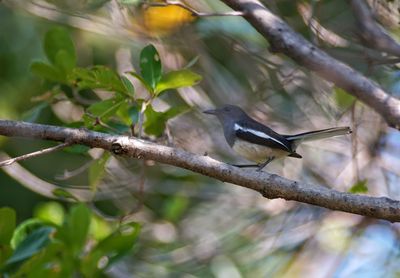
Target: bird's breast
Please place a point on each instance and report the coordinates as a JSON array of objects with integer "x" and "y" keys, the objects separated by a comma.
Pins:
[{"x": 256, "y": 153}]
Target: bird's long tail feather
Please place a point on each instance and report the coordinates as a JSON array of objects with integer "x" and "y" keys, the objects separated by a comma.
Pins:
[{"x": 318, "y": 134}]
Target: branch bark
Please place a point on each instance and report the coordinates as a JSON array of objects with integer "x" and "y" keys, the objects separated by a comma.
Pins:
[
  {"x": 269, "y": 185},
  {"x": 284, "y": 39}
]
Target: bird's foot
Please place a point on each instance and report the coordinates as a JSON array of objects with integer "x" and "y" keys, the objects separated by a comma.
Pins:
[{"x": 262, "y": 165}]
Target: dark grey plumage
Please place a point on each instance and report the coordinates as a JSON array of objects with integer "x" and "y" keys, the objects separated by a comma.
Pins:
[{"x": 259, "y": 143}]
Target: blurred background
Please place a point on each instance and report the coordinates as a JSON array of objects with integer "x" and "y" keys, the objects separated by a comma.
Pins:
[{"x": 193, "y": 226}]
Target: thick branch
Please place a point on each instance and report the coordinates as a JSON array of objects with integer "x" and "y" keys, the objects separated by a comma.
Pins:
[
  {"x": 269, "y": 185},
  {"x": 284, "y": 39}
]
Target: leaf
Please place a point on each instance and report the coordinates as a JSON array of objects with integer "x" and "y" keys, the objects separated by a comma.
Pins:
[
  {"x": 64, "y": 194},
  {"x": 177, "y": 79},
  {"x": 113, "y": 247},
  {"x": 24, "y": 229},
  {"x": 57, "y": 40},
  {"x": 343, "y": 99},
  {"x": 128, "y": 85},
  {"x": 32, "y": 244},
  {"x": 46, "y": 71},
  {"x": 121, "y": 241},
  {"x": 97, "y": 77},
  {"x": 128, "y": 113},
  {"x": 140, "y": 78},
  {"x": 106, "y": 108},
  {"x": 175, "y": 207},
  {"x": 50, "y": 212},
  {"x": 39, "y": 265},
  {"x": 64, "y": 61},
  {"x": 76, "y": 227},
  {"x": 359, "y": 187},
  {"x": 7, "y": 225},
  {"x": 156, "y": 121},
  {"x": 97, "y": 171},
  {"x": 150, "y": 66}
]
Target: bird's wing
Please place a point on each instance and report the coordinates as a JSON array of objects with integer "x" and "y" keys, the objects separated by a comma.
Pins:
[{"x": 259, "y": 134}]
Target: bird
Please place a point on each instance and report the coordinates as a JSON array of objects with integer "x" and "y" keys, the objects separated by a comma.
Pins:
[{"x": 257, "y": 142}]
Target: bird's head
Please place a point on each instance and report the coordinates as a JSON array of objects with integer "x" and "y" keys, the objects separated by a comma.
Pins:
[{"x": 227, "y": 112}]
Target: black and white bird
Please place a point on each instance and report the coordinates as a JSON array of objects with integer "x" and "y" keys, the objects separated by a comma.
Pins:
[{"x": 259, "y": 143}]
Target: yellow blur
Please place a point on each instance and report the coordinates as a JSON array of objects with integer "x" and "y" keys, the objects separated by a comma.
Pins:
[{"x": 163, "y": 21}]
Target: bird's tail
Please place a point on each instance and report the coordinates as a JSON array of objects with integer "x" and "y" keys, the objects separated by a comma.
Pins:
[{"x": 318, "y": 134}]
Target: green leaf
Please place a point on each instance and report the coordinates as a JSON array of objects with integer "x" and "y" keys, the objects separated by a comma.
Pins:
[
  {"x": 64, "y": 61},
  {"x": 128, "y": 85},
  {"x": 140, "y": 78},
  {"x": 47, "y": 72},
  {"x": 113, "y": 247},
  {"x": 359, "y": 187},
  {"x": 76, "y": 228},
  {"x": 24, "y": 229},
  {"x": 121, "y": 241},
  {"x": 40, "y": 264},
  {"x": 50, "y": 212},
  {"x": 150, "y": 66},
  {"x": 7, "y": 225},
  {"x": 64, "y": 194},
  {"x": 128, "y": 113},
  {"x": 32, "y": 244},
  {"x": 106, "y": 108},
  {"x": 56, "y": 40},
  {"x": 97, "y": 77},
  {"x": 343, "y": 99},
  {"x": 156, "y": 121},
  {"x": 97, "y": 171},
  {"x": 177, "y": 79},
  {"x": 175, "y": 207}
]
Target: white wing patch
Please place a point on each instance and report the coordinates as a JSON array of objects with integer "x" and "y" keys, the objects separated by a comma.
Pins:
[{"x": 258, "y": 133}]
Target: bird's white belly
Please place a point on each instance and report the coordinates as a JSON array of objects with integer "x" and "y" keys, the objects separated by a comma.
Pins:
[{"x": 256, "y": 153}]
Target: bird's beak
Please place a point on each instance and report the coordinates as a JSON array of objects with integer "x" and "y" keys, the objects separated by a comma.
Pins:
[{"x": 210, "y": 111}]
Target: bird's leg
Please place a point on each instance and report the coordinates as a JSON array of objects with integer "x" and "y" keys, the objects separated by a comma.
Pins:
[
  {"x": 262, "y": 165},
  {"x": 245, "y": 165}
]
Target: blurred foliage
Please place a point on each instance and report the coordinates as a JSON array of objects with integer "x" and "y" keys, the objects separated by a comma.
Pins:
[
  {"x": 45, "y": 247},
  {"x": 123, "y": 67}
]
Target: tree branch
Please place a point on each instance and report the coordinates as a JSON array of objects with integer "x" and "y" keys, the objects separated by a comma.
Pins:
[
  {"x": 269, "y": 185},
  {"x": 285, "y": 40}
]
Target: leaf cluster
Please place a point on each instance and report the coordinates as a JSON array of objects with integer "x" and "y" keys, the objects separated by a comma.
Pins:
[
  {"x": 56, "y": 244},
  {"x": 119, "y": 110}
]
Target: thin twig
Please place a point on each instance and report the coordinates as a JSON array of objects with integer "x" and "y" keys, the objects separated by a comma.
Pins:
[
  {"x": 34, "y": 154},
  {"x": 73, "y": 173}
]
